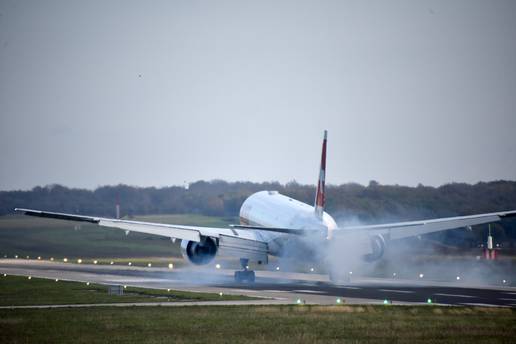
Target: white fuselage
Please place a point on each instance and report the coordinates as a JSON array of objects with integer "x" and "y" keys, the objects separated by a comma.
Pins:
[{"x": 272, "y": 209}]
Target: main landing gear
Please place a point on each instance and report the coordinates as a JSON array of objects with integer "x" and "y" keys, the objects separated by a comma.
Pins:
[{"x": 244, "y": 275}]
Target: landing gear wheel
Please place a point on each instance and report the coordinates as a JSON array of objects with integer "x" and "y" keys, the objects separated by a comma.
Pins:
[{"x": 244, "y": 276}]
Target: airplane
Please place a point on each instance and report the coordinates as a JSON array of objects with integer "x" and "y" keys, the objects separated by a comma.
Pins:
[{"x": 272, "y": 224}]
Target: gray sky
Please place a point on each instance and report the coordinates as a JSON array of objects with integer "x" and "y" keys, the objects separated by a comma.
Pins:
[{"x": 161, "y": 92}]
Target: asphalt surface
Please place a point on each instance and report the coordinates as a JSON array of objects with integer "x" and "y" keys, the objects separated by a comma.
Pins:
[{"x": 274, "y": 287}]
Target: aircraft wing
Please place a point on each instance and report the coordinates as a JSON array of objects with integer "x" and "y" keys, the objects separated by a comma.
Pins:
[
  {"x": 192, "y": 233},
  {"x": 402, "y": 230}
]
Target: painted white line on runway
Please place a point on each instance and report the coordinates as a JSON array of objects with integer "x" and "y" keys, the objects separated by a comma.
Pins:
[
  {"x": 482, "y": 304},
  {"x": 273, "y": 291},
  {"x": 343, "y": 287},
  {"x": 398, "y": 291},
  {"x": 455, "y": 295},
  {"x": 506, "y": 299},
  {"x": 154, "y": 304},
  {"x": 308, "y": 291}
]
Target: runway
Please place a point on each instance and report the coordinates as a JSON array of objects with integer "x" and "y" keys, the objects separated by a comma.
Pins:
[{"x": 272, "y": 287}]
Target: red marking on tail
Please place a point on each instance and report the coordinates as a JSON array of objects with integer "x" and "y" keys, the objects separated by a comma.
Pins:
[{"x": 320, "y": 198}]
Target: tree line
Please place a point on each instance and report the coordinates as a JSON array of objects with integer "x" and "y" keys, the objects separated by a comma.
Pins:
[{"x": 348, "y": 203}]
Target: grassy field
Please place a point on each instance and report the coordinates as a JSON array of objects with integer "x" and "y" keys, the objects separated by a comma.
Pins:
[
  {"x": 29, "y": 236},
  {"x": 20, "y": 291},
  {"x": 260, "y": 324}
]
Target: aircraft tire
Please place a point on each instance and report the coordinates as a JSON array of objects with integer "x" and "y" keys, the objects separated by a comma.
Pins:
[{"x": 244, "y": 276}]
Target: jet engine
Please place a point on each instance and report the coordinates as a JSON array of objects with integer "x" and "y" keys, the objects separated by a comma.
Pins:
[
  {"x": 199, "y": 253},
  {"x": 377, "y": 243}
]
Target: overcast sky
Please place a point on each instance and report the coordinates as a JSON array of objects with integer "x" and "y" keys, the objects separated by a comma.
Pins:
[{"x": 162, "y": 92}]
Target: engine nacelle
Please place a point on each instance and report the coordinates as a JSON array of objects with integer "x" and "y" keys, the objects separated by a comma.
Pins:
[
  {"x": 377, "y": 248},
  {"x": 199, "y": 253}
]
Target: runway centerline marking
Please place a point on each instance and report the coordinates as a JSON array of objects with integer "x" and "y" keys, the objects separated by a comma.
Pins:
[
  {"x": 343, "y": 287},
  {"x": 398, "y": 291},
  {"x": 308, "y": 291},
  {"x": 455, "y": 295}
]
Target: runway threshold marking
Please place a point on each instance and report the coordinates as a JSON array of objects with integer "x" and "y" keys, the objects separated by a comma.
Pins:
[
  {"x": 455, "y": 295},
  {"x": 398, "y": 291}
]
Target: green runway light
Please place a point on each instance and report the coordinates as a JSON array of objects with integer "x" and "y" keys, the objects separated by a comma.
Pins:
[
  {"x": 385, "y": 302},
  {"x": 429, "y": 301},
  {"x": 298, "y": 301},
  {"x": 339, "y": 301}
]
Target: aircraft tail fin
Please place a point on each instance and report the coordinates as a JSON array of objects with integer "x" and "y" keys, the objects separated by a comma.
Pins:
[{"x": 320, "y": 199}]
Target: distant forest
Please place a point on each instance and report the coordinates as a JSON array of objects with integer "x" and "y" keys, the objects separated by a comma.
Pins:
[{"x": 348, "y": 203}]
